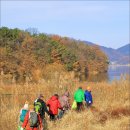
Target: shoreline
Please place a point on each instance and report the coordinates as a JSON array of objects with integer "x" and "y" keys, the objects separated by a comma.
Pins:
[{"x": 119, "y": 65}]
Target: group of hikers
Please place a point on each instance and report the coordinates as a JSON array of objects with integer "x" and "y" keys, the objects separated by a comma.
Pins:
[{"x": 32, "y": 117}]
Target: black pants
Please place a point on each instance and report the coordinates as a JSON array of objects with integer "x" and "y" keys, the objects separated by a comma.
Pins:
[
  {"x": 79, "y": 106},
  {"x": 52, "y": 117},
  {"x": 61, "y": 113}
]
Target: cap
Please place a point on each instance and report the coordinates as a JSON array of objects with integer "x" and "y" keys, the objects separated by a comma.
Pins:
[{"x": 88, "y": 88}]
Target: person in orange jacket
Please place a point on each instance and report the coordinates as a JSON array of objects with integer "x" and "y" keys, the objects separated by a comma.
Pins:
[
  {"x": 32, "y": 120},
  {"x": 54, "y": 104}
]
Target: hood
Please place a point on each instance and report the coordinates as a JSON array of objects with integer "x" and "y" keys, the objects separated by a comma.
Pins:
[{"x": 53, "y": 98}]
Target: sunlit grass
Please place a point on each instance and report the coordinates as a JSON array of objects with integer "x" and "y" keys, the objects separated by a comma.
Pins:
[{"x": 110, "y": 108}]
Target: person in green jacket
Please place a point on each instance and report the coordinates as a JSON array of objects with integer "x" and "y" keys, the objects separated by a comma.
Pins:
[{"x": 79, "y": 98}]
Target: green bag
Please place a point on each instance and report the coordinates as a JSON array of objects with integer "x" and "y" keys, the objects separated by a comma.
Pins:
[
  {"x": 74, "y": 105},
  {"x": 20, "y": 128}
]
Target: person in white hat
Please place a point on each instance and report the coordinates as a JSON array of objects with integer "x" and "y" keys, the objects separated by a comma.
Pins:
[{"x": 23, "y": 113}]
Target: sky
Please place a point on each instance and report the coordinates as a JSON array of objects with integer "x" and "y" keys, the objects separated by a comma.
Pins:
[{"x": 105, "y": 23}]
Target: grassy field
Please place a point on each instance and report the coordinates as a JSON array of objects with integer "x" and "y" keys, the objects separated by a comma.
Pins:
[{"x": 110, "y": 111}]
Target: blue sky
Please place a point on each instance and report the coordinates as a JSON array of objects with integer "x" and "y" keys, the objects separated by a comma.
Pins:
[{"x": 102, "y": 22}]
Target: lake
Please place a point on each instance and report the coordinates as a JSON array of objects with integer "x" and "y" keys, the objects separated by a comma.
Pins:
[{"x": 114, "y": 72}]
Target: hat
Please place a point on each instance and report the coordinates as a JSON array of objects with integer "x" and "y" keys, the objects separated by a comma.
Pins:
[
  {"x": 40, "y": 96},
  {"x": 26, "y": 105},
  {"x": 88, "y": 88}
]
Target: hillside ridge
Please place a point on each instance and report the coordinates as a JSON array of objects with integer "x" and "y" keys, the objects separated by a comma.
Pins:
[{"x": 116, "y": 56}]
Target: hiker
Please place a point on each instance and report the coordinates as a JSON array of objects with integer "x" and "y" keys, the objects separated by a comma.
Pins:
[
  {"x": 32, "y": 120},
  {"x": 41, "y": 107},
  {"x": 54, "y": 104},
  {"x": 79, "y": 98},
  {"x": 88, "y": 97},
  {"x": 65, "y": 104},
  {"x": 23, "y": 113}
]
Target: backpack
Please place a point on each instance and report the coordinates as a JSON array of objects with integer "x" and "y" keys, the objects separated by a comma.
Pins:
[
  {"x": 33, "y": 119},
  {"x": 38, "y": 107},
  {"x": 22, "y": 116}
]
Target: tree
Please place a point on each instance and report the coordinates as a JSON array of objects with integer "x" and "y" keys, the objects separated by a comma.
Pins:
[{"x": 32, "y": 31}]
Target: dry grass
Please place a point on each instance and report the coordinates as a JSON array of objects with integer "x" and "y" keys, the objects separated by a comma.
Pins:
[{"x": 110, "y": 110}]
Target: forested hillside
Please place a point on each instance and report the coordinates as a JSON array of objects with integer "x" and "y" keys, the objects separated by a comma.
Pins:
[{"x": 23, "y": 52}]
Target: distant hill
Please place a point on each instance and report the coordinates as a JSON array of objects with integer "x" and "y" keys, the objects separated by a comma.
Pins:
[
  {"x": 117, "y": 56},
  {"x": 125, "y": 50}
]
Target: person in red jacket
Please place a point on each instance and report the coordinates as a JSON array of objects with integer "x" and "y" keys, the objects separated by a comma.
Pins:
[
  {"x": 54, "y": 104},
  {"x": 28, "y": 119}
]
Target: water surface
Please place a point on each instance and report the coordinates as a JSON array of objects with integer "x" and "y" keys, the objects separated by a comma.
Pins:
[{"x": 114, "y": 73}]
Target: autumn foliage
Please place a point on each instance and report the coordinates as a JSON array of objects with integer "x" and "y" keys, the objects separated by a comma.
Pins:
[{"x": 22, "y": 53}]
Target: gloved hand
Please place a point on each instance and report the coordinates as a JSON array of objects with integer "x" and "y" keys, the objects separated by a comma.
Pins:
[
  {"x": 48, "y": 116},
  {"x": 89, "y": 102}
]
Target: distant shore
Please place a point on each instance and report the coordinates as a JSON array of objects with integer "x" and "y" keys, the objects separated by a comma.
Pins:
[{"x": 119, "y": 65}]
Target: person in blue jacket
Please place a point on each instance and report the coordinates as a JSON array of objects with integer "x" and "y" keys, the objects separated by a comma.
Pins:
[{"x": 88, "y": 97}]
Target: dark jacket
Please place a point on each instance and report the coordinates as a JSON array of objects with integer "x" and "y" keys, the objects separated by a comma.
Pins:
[
  {"x": 44, "y": 108},
  {"x": 53, "y": 104},
  {"x": 88, "y": 97}
]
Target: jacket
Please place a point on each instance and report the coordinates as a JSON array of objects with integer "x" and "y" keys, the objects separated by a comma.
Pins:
[
  {"x": 44, "y": 108},
  {"x": 53, "y": 104},
  {"x": 79, "y": 95},
  {"x": 26, "y": 124},
  {"x": 64, "y": 101},
  {"x": 88, "y": 97}
]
